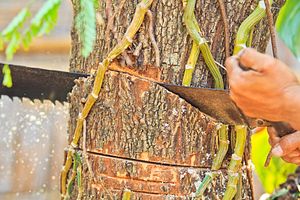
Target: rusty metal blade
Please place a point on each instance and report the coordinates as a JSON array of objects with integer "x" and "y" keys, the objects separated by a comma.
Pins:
[
  {"x": 215, "y": 103},
  {"x": 42, "y": 84}
]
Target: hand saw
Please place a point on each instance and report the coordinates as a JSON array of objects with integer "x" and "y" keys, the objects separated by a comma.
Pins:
[{"x": 42, "y": 84}]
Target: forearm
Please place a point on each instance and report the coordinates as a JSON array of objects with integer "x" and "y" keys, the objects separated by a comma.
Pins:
[{"x": 291, "y": 110}]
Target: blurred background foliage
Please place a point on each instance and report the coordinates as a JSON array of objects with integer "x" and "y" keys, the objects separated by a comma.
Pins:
[
  {"x": 288, "y": 25},
  {"x": 276, "y": 173}
]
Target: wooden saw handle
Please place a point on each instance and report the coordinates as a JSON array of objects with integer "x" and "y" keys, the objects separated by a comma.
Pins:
[{"x": 282, "y": 128}]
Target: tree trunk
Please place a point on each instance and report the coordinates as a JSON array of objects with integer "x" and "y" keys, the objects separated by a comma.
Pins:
[{"x": 140, "y": 137}]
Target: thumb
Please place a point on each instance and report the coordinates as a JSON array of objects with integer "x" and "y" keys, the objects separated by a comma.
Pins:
[{"x": 287, "y": 144}]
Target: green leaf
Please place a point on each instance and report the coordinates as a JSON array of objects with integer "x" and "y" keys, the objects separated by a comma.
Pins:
[
  {"x": 15, "y": 24},
  {"x": 288, "y": 25},
  {"x": 13, "y": 46},
  {"x": 276, "y": 173},
  {"x": 1, "y": 43},
  {"x": 96, "y": 4},
  {"x": 7, "y": 79},
  {"x": 43, "y": 22},
  {"x": 85, "y": 24},
  {"x": 45, "y": 11},
  {"x": 26, "y": 40}
]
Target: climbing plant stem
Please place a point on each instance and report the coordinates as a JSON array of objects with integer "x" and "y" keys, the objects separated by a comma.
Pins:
[{"x": 134, "y": 26}]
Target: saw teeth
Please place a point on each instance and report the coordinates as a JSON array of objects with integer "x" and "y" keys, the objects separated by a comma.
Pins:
[
  {"x": 3, "y": 97},
  {"x": 32, "y": 100},
  {"x": 42, "y": 84}
]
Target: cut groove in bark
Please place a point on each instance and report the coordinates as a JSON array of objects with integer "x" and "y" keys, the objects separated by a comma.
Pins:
[{"x": 150, "y": 126}]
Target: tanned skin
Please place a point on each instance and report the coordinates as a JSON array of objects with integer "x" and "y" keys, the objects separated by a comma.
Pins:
[{"x": 268, "y": 90}]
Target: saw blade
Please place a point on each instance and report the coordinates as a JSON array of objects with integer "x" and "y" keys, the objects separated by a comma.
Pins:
[{"x": 42, "y": 84}]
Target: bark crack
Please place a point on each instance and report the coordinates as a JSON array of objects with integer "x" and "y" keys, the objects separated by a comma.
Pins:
[{"x": 148, "y": 162}]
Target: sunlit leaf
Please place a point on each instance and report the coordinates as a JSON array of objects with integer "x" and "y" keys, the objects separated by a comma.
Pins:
[
  {"x": 276, "y": 173},
  {"x": 27, "y": 38},
  {"x": 85, "y": 24},
  {"x": 43, "y": 22},
  {"x": 45, "y": 28},
  {"x": 1, "y": 43},
  {"x": 13, "y": 45},
  {"x": 288, "y": 25},
  {"x": 49, "y": 21},
  {"x": 96, "y": 4},
  {"x": 15, "y": 24},
  {"x": 7, "y": 79},
  {"x": 45, "y": 11}
]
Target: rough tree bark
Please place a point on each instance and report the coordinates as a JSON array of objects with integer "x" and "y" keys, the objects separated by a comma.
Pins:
[{"x": 141, "y": 137}]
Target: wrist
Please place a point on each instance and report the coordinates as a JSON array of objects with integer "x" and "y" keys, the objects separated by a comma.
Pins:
[{"x": 291, "y": 106}]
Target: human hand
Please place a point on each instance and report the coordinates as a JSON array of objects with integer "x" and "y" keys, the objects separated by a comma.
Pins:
[
  {"x": 287, "y": 147},
  {"x": 265, "y": 91}
]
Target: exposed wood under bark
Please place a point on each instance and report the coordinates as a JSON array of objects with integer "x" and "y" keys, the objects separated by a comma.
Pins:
[{"x": 150, "y": 181}]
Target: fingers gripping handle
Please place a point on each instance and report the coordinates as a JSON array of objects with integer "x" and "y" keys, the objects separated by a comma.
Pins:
[{"x": 282, "y": 129}]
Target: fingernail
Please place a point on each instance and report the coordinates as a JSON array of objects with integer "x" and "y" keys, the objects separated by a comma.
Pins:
[{"x": 277, "y": 151}]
